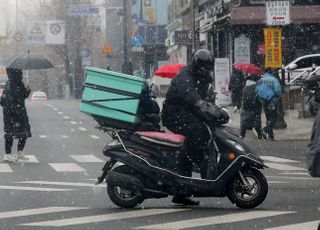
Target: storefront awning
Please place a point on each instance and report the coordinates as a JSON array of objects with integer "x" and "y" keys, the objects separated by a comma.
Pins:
[{"x": 257, "y": 15}]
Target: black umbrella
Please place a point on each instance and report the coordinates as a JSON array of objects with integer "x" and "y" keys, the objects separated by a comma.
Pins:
[{"x": 28, "y": 62}]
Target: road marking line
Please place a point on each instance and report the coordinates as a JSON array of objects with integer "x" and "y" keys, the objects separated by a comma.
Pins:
[
  {"x": 293, "y": 178},
  {"x": 66, "y": 117},
  {"x": 295, "y": 173},
  {"x": 64, "y": 136},
  {"x": 82, "y": 128},
  {"x": 31, "y": 159},
  {"x": 55, "y": 109},
  {"x": 86, "y": 158},
  {"x": 73, "y": 122},
  {"x": 306, "y": 225},
  {"x": 284, "y": 167},
  {"x": 24, "y": 188},
  {"x": 5, "y": 168},
  {"x": 60, "y": 113},
  {"x": 213, "y": 220},
  {"x": 62, "y": 183},
  {"x": 36, "y": 211},
  {"x": 94, "y": 137},
  {"x": 42, "y": 136},
  {"x": 102, "y": 218},
  {"x": 278, "y": 159},
  {"x": 66, "y": 167}
]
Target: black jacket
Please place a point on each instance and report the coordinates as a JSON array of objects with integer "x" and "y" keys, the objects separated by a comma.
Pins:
[
  {"x": 185, "y": 91},
  {"x": 16, "y": 122}
]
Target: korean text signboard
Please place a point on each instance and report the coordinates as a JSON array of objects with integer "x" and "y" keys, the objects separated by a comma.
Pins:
[
  {"x": 273, "y": 47},
  {"x": 221, "y": 75},
  {"x": 242, "y": 49},
  {"x": 278, "y": 13}
]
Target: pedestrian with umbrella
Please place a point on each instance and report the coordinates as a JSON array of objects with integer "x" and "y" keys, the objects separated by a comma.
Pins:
[{"x": 15, "y": 118}]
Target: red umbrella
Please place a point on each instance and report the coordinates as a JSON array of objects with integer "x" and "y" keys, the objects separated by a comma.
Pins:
[
  {"x": 248, "y": 68},
  {"x": 169, "y": 70}
]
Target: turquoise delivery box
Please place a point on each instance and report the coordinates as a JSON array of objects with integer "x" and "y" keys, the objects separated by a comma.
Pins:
[{"x": 112, "y": 98}]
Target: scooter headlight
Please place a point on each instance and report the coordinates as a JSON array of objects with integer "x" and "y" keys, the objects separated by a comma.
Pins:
[
  {"x": 236, "y": 145},
  {"x": 239, "y": 147}
]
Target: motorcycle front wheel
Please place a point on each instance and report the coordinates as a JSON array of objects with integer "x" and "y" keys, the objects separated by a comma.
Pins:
[
  {"x": 251, "y": 194},
  {"x": 123, "y": 195}
]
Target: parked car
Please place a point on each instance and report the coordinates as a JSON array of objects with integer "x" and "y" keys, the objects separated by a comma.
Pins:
[
  {"x": 39, "y": 95},
  {"x": 301, "y": 64}
]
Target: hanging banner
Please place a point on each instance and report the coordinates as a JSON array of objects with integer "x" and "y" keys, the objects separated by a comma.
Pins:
[
  {"x": 221, "y": 74},
  {"x": 273, "y": 47}
]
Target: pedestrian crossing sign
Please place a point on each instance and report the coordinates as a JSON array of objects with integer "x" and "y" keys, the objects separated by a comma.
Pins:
[{"x": 106, "y": 49}]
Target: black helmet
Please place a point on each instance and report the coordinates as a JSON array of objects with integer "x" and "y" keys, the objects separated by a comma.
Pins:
[{"x": 203, "y": 59}]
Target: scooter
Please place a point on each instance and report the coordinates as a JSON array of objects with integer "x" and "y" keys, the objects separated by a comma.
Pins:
[{"x": 145, "y": 165}]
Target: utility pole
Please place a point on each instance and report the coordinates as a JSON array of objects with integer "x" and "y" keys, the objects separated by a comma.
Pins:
[
  {"x": 194, "y": 45},
  {"x": 125, "y": 23}
]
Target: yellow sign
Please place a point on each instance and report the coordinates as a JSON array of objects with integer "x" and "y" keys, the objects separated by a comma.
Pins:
[
  {"x": 107, "y": 49},
  {"x": 273, "y": 47}
]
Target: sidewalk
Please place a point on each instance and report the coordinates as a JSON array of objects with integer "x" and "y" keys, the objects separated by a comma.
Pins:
[{"x": 297, "y": 129}]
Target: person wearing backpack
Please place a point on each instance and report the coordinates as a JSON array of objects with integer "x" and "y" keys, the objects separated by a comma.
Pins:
[
  {"x": 269, "y": 92},
  {"x": 250, "y": 114}
]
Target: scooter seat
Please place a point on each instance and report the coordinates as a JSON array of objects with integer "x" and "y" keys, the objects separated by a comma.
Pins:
[{"x": 168, "y": 139}]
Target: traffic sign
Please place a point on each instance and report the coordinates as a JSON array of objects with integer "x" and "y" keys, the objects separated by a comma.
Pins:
[
  {"x": 17, "y": 36},
  {"x": 278, "y": 13},
  {"x": 85, "y": 52},
  {"x": 106, "y": 49},
  {"x": 83, "y": 10}
]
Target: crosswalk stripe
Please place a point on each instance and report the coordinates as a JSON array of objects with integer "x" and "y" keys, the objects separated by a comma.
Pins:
[
  {"x": 94, "y": 137},
  {"x": 293, "y": 178},
  {"x": 307, "y": 225},
  {"x": 82, "y": 128},
  {"x": 62, "y": 183},
  {"x": 66, "y": 117},
  {"x": 42, "y": 136},
  {"x": 90, "y": 158},
  {"x": 36, "y": 211},
  {"x": 64, "y": 136},
  {"x": 60, "y": 113},
  {"x": 284, "y": 167},
  {"x": 102, "y": 218},
  {"x": 24, "y": 188},
  {"x": 66, "y": 167},
  {"x": 5, "y": 168},
  {"x": 278, "y": 159},
  {"x": 213, "y": 220},
  {"x": 31, "y": 159},
  {"x": 73, "y": 122}
]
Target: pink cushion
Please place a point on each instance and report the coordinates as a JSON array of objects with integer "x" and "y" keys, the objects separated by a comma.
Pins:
[{"x": 170, "y": 137}]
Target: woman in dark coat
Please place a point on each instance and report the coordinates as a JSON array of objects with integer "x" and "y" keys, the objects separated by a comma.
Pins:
[
  {"x": 251, "y": 108},
  {"x": 15, "y": 118},
  {"x": 236, "y": 84}
]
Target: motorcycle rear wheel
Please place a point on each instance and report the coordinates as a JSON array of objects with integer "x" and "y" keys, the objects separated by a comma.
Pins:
[
  {"x": 123, "y": 195},
  {"x": 248, "y": 196}
]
